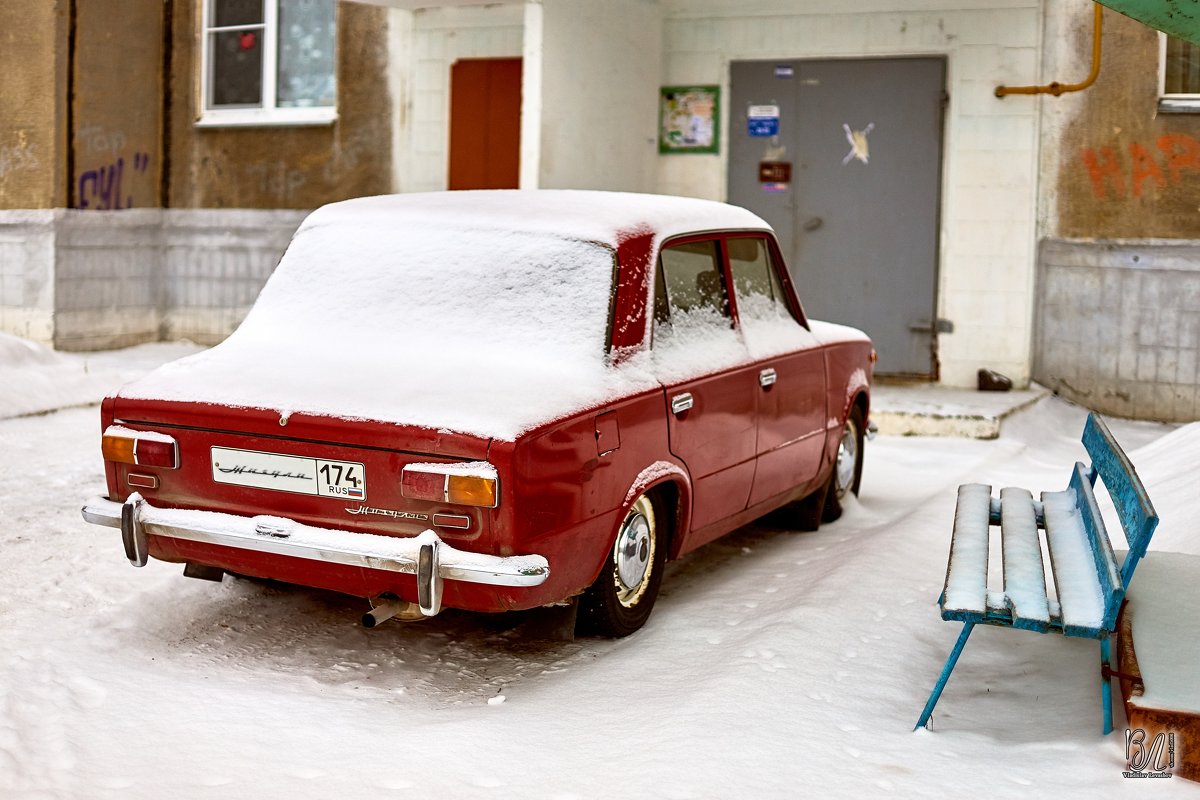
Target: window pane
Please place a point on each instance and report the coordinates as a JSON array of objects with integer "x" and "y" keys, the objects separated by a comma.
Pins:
[
  {"x": 236, "y": 12},
  {"x": 756, "y": 284},
  {"x": 236, "y": 78},
  {"x": 1182, "y": 67},
  {"x": 306, "y": 68},
  {"x": 692, "y": 273}
]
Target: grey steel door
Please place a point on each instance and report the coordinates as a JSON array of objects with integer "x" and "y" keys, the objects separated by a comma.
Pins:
[{"x": 848, "y": 173}]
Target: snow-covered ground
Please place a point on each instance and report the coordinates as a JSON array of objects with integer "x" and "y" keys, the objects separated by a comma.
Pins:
[{"x": 776, "y": 664}]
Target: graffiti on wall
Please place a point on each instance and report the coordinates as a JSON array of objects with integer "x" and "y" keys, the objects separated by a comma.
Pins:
[
  {"x": 17, "y": 157},
  {"x": 100, "y": 188},
  {"x": 1141, "y": 167}
]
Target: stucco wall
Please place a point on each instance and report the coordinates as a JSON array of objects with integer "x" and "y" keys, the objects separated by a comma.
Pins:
[
  {"x": 989, "y": 189},
  {"x": 1115, "y": 166},
  {"x": 116, "y": 105},
  {"x": 286, "y": 166},
  {"x": 33, "y": 62}
]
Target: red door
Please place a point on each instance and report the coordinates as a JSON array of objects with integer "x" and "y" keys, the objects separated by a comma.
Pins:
[{"x": 485, "y": 123}]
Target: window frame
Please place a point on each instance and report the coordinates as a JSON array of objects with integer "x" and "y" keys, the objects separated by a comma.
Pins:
[
  {"x": 775, "y": 258},
  {"x": 269, "y": 113},
  {"x": 1174, "y": 103}
]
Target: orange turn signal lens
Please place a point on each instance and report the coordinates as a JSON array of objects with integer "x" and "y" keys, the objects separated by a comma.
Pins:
[
  {"x": 142, "y": 448},
  {"x": 470, "y": 490}
]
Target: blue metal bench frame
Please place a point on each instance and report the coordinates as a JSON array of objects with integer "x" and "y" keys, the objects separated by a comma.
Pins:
[{"x": 1138, "y": 521}]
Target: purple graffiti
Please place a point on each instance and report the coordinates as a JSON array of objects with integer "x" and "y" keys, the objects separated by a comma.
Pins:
[{"x": 101, "y": 188}]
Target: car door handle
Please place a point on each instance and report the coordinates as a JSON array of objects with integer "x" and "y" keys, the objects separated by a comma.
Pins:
[
  {"x": 682, "y": 402},
  {"x": 767, "y": 378}
]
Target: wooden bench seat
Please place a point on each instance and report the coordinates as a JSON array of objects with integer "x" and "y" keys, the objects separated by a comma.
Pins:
[{"x": 1089, "y": 585}]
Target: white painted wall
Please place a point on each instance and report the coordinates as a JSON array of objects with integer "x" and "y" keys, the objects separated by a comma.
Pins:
[
  {"x": 989, "y": 195},
  {"x": 597, "y": 67}
]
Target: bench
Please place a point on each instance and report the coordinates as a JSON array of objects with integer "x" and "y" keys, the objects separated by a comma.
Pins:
[{"x": 1090, "y": 584}]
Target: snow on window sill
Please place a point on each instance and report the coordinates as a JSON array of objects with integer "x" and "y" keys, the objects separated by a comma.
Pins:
[
  {"x": 263, "y": 118},
  {"x": 1179, "y": 105}
]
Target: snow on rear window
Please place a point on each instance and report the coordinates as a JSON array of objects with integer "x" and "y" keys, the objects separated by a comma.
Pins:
[{"x": 481, "y": 331}]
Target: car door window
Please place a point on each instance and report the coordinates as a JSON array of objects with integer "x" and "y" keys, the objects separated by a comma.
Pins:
[
  {"x": 756, "y": 284},
  {"x": 693, "y": 326},
  {"x": 764, "y": 316},
  {"x": 690, "y": 275}
]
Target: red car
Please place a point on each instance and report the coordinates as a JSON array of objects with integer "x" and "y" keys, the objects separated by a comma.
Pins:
[{"x": 494, "y": 401}]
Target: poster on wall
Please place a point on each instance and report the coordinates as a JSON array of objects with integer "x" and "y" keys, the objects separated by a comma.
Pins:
[{"x": 688, "y": 118}]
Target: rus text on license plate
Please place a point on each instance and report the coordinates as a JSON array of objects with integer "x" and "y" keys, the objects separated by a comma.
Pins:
[{"x": 299, "y": 474}]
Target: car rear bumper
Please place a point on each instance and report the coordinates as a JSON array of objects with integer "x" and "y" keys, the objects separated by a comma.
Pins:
[{"x": 425, "y": 555}]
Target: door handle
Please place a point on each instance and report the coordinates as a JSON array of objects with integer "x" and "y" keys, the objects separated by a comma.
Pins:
[
  {"x": 767, "y": 378},
  {"x": 682, "y": 402}
]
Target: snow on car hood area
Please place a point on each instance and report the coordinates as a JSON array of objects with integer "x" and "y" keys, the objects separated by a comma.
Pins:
[
  {"x": 468, "y": 311},
  {"x": 776, "y": 664}
]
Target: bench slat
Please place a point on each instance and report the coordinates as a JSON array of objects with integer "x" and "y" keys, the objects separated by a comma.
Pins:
[
  {"x": 1024, "y": 572},
  {"x": 1075, "y": 578},
  {"x": 965, "y": 595}
]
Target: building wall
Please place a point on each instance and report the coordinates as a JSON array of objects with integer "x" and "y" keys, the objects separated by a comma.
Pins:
[
  {"x": 587, "y": 66},
  {"x": 424, "y": 45},
  {"x": 1119, "y": 168},
  {"x": 33, "y": 113},
  {"x": 116, "y": 111},
  {"x": 1119, "y": 326},
  {"x": 297, "y": 167},
  {"x": 989, "y": 197},
  {"x": 1118, "y": 315}
]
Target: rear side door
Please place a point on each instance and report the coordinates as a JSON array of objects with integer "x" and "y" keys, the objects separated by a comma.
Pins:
[
  {"x": 711, "y": 391},
  {"x": 789, "y": 368}
]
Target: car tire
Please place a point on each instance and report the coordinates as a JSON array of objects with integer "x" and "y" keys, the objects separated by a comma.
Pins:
[
  {"x": 846, "y": 475},
  {"x": 620, "y": 600}
]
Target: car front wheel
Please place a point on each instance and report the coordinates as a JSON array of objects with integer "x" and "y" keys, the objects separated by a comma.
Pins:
[{"x": 620, "y": 600}]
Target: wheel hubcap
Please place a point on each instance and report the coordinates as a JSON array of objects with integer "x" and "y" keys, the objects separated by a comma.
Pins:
[
  {"x": 633, "y": 554},
  {"x": 847, "y": 458}
]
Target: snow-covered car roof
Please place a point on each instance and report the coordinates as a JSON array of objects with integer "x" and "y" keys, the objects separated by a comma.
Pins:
[
  {"x": 479, "y": 312},
  {"x": 570, "y": 214}
]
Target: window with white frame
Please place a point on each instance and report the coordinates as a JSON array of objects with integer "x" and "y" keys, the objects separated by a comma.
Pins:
[
  {"x": 1179, "y": 75},
  {"x": 268, "y": 62}
]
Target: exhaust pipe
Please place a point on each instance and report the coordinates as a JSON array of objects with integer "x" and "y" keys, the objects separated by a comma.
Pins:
[{"x": 388, "y": 607}]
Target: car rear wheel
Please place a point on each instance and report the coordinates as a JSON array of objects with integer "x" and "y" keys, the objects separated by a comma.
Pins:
[
  {"x": 620, "y": 600},
  {"x": 847, "y": 467}
]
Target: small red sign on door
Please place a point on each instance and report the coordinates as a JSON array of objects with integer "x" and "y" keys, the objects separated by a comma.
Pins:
[{"x": 774, "y": 171}]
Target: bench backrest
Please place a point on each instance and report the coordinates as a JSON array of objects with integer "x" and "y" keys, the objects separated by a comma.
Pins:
[{"x": 1134, "y": 510}]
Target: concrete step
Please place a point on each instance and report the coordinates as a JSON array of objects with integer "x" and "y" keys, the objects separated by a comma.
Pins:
[{"x": 923, "y": 409}]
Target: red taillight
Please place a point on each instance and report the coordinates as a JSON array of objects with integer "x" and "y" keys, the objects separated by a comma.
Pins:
[
  {"x": 470, "y": 484},
  {"x": 143, "y": 448}
]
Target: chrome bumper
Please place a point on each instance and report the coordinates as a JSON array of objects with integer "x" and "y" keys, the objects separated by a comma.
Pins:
[{"x": 425, "y": 555}]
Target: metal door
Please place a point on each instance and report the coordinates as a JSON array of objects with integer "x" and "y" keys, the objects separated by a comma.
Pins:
[{"x": 843, "y": 158}]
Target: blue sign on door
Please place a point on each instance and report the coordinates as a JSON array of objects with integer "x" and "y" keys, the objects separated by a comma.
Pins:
[{"x": 762, "y": 120}]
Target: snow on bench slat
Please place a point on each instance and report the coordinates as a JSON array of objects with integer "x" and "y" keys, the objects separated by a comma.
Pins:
[
  {"x": 1074, "y": 566},
  {"x": 966, "y": 576},
  {"x": 1024, "y": 574}
]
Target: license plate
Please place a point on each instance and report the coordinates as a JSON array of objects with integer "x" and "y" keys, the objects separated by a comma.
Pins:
[{"x": 298, "y": 474}]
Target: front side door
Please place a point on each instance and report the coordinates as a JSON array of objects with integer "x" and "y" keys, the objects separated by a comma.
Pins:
[
  {"x": 710, "y": 391},
  {"x": 843, "y": 158}
]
